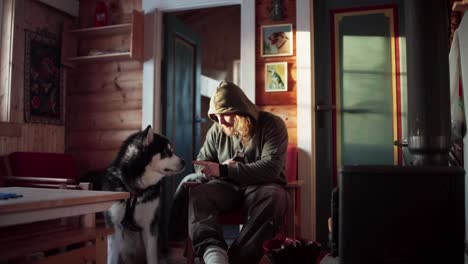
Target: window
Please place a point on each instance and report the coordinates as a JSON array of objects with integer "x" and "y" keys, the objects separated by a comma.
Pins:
[{"x": 6, "y": 39}]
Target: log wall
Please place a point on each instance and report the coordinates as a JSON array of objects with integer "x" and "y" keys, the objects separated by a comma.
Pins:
[
  {"x": 34, "y": 16},
  {"x": 282, "y": 104},
  {"x": 104, "y": 100}
]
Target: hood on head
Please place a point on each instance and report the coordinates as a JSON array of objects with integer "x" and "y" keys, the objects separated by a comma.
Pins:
[{"x": 230, "y": 99}]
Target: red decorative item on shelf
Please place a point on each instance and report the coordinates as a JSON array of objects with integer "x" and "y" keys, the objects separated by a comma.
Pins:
[{"x": 101, "y": 16}]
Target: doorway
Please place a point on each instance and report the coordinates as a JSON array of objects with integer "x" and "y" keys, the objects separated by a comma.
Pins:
[
  {"x": 219, "y": 32},
  {"x": 202, "y": 48}
]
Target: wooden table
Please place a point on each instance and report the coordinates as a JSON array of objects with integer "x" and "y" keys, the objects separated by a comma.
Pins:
[
  {"x": 43, "y": 204},
  {"x": 39, "y": 204}
]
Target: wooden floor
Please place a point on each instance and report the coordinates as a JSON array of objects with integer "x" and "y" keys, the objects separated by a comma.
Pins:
[{"x": 176, "y": 256}]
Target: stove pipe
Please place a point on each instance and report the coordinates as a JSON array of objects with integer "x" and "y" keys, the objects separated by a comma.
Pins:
[{"x": 428, "y": 81}]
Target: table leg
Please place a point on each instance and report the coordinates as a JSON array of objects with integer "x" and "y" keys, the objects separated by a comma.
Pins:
[
  {"x": 101, "y": 250},
  {"x": 88, "y": 220}
]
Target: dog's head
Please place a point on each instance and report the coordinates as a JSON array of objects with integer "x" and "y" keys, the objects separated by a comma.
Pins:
[{"x": 146, "y": 157}]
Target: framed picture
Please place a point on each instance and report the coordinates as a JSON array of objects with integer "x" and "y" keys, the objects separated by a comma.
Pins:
[
  {"x": 43, "y": 86},
  {"x": 276, "y": 77},
  {"x": 277, "y": 40}
]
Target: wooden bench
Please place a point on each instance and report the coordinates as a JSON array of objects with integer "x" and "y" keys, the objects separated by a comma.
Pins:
[
  {"x": 52, "y": 242},
  {"x": 42, "y": 170}
]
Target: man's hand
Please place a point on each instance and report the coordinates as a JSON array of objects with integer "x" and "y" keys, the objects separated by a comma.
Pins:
[
  {"x": 211, "y": 169},
  {"x": 229, "y": 162}
]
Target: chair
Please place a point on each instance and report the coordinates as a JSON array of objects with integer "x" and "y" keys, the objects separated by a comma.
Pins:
[{"x": 238, "y": 216}]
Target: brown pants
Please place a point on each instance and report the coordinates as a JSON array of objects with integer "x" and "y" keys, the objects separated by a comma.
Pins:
[{"x": 266, "y": 206}]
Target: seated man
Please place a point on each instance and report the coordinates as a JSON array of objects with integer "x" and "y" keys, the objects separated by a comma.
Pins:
[{"x": 241, "y": 164}]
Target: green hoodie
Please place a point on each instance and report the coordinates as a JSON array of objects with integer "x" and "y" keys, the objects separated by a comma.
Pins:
[{"x": 266, "y": 152}]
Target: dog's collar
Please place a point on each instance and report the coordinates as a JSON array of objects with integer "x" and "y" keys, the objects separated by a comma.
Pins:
[
  {"x": 128, "y": 222},
  {"x": 151, "y": 192},
  {"x": 148, "y": 194}
]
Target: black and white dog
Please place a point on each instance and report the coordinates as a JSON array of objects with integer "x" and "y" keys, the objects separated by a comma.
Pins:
[{"x": 143, "y": 160}]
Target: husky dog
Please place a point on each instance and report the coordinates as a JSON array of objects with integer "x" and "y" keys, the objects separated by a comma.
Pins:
[{"x": 143, "y": 160}]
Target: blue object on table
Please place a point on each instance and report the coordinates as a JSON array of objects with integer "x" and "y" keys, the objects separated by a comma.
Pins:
[{"x": 6, "y": 196}]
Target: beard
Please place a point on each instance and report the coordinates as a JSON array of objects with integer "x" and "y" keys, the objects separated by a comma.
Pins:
[{"x": 229, "y": 131}]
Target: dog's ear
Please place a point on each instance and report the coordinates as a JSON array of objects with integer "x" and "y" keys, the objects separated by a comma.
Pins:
[{"x": 149, "y": 136}]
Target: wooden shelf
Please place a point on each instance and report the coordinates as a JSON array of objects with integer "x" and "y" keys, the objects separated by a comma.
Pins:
[
  {"x": 460, "y": 6},
  {"x": 102, "y": 31},
  {"x": 71, "y": 39},
  {"x": 101, "y": 58}
]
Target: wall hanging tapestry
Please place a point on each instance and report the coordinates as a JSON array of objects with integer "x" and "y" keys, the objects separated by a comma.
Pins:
[{"x": 43, "y": 89}]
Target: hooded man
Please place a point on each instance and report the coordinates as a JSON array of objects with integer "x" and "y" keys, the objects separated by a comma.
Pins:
[{"x": 241, "y": 163}]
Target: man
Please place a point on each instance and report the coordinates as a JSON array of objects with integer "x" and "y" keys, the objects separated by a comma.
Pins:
[{"x": 242, "y": 164}]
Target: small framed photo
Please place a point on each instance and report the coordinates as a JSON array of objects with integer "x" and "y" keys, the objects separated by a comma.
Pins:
[
  {"x": 276, "y": 77},
  {"x": 277, "y": 40}
]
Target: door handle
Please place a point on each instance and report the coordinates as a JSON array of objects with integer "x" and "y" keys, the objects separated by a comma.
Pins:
[
  {"x": 322, "y": 107},
  {"x": 401, "y": 143}
]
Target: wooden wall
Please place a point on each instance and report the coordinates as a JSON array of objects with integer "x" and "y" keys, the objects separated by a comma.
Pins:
[
  {"x": 289, "y": 115},
  {"x": 104, "y": 100},
  {"x": 219, "y": 31},
  {"x": 282, "y": 104},
  {"x": 31, "y": 137},
  {"x": 34, "y": 16}
]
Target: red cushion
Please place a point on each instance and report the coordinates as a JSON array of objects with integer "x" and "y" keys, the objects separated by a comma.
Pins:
[
  {"x": 40, "y": 164},
  {"x": 291, "y": 163}
]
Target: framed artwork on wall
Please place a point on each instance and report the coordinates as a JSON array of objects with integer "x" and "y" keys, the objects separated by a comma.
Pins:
[
  {"x": 277, "y": 40},
  {"x": 276, "y": 77},
  {"x": 43, "y": 87}
]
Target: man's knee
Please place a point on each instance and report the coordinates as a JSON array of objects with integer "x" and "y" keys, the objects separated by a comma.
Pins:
[
  {"x": 202, "y": 194},
  {"x": 273, "y": 198}
]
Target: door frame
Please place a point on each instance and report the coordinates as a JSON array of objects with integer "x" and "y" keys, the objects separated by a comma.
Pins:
[
  {"x": 151, "y": 111},
  {"x": 154, "y": 50}
]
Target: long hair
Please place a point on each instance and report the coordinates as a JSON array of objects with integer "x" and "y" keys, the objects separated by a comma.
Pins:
[{"x": 243, "y": 127}]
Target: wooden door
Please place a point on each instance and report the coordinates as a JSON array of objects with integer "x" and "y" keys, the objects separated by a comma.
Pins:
[
  {"x": 181, "y": 101},
  {"x": 360, "y": 107}
]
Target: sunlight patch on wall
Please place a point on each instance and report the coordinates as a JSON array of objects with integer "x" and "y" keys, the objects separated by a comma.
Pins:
[{"x": 208, "y": 86}]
